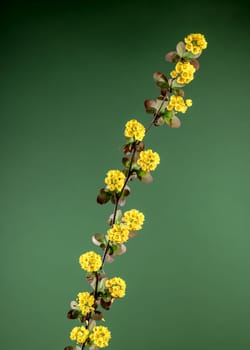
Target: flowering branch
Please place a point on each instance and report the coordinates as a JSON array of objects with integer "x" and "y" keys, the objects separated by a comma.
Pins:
[{"x": 138, "y": 163}]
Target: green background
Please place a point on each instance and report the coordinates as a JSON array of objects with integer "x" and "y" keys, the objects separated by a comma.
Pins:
[{"x": 71, "y": 75}]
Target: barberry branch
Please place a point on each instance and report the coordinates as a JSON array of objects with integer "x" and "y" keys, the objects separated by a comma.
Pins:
[{"x": 138, "y": 164}]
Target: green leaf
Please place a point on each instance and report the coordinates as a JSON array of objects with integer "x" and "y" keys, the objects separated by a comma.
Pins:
[
  {"x": 161, "y": 80},
  {"x": 187, "y": 55},
  {"x": 69, "y": 348},
  {"x": 180, "y": 48}
]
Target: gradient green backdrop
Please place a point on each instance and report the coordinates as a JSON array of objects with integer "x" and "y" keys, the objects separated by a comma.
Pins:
[{"x": 71, "y": 74}]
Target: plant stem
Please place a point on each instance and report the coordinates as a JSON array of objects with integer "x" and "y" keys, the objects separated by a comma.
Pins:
[{"x": 117, "y": 198}]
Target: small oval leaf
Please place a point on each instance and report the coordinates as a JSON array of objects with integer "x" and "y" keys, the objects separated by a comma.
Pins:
[
  {"x": 150, "y": 106},
  {"x": 98, "y": 239},
  {"x": 175, "y": 122},
  {"x": 172, "y": 57},
  {"x": 147, "y": 178},
  {"x": 160, "y": 79},
  {"x": 180, "y": 48},
  {"x": 195, "y": 63},
  {"x": 74, "y": 305}
]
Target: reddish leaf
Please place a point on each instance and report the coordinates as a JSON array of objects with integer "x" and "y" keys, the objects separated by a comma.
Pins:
[
  {"x": 172, "y": 56},
  {"x": 98, "y": 239},
  {"x": 147, "y": 178},
  {"x": 103, "y": 197},
  {"x": 175, "y": 122},
  {"x": 121, "y": 249},
  {"x": 161, "y": 80},
  {"x": 150, "y": 106},
  {"x": 195, "y": 63},
  {"x": 132, "y": 234},
  {"x": 73, "y": 314},
  {"x": 97, "y": 315}
]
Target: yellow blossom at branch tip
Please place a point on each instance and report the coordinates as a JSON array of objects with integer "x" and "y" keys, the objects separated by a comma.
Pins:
[
  {"x": 90, "y": 261},
  {"x": 148, "y": 160},
  {"x": 85, "y": 302},
  {"x": 115, "y": 180},
  {"x": 118, "y": 233},
  {"x": 133, "y": 219},
  {"x": 79, "y": 334},
  {"x": 134, "y": 129},
  {"x": 100, "y": 336},
  {"x": 116, "y": 286},
  {"x": 195, "y": 43}
]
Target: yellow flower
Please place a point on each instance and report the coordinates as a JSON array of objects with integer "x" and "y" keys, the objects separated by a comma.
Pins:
[
  {"x": 177, "y": 103},
  {"x": 184, "y": 72},
  {"x": 80, "y": 334},
  {"x": 100, "y": 336},
  {"x": 90, "y": 261},
  {"x": 116, "y": 286},
  {"x": 133, "y": 219},
  {"x": 115, "y": 180},
  {"x": 134, "y": 129},
  {"x": 118, "y": 233},
  {"x": 148, "y": 160},
  {"x": 86, "y": 302},
  {"x": 195, "y": 43}
]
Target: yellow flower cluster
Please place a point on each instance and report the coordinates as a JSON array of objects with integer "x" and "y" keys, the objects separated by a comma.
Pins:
[
  {"x": 134, "y": 129},
  {"x": 115, "y": 180},
  {"x": 100, "y": 336},
  {"x": 80, "y": 334},
  {"x": 90, "y": 261},
  {"x": 184, "y": 72},
  {"x": 133, "y": 219},
  {"x": 118, "y": 233},
  {"x": 195, "y": 43},
  {"x": 148, "y": 160},
  {"x": 178, "y": 104},
  {"x": 85, "y": 302},
  {"x": 116, "y": 286}
]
